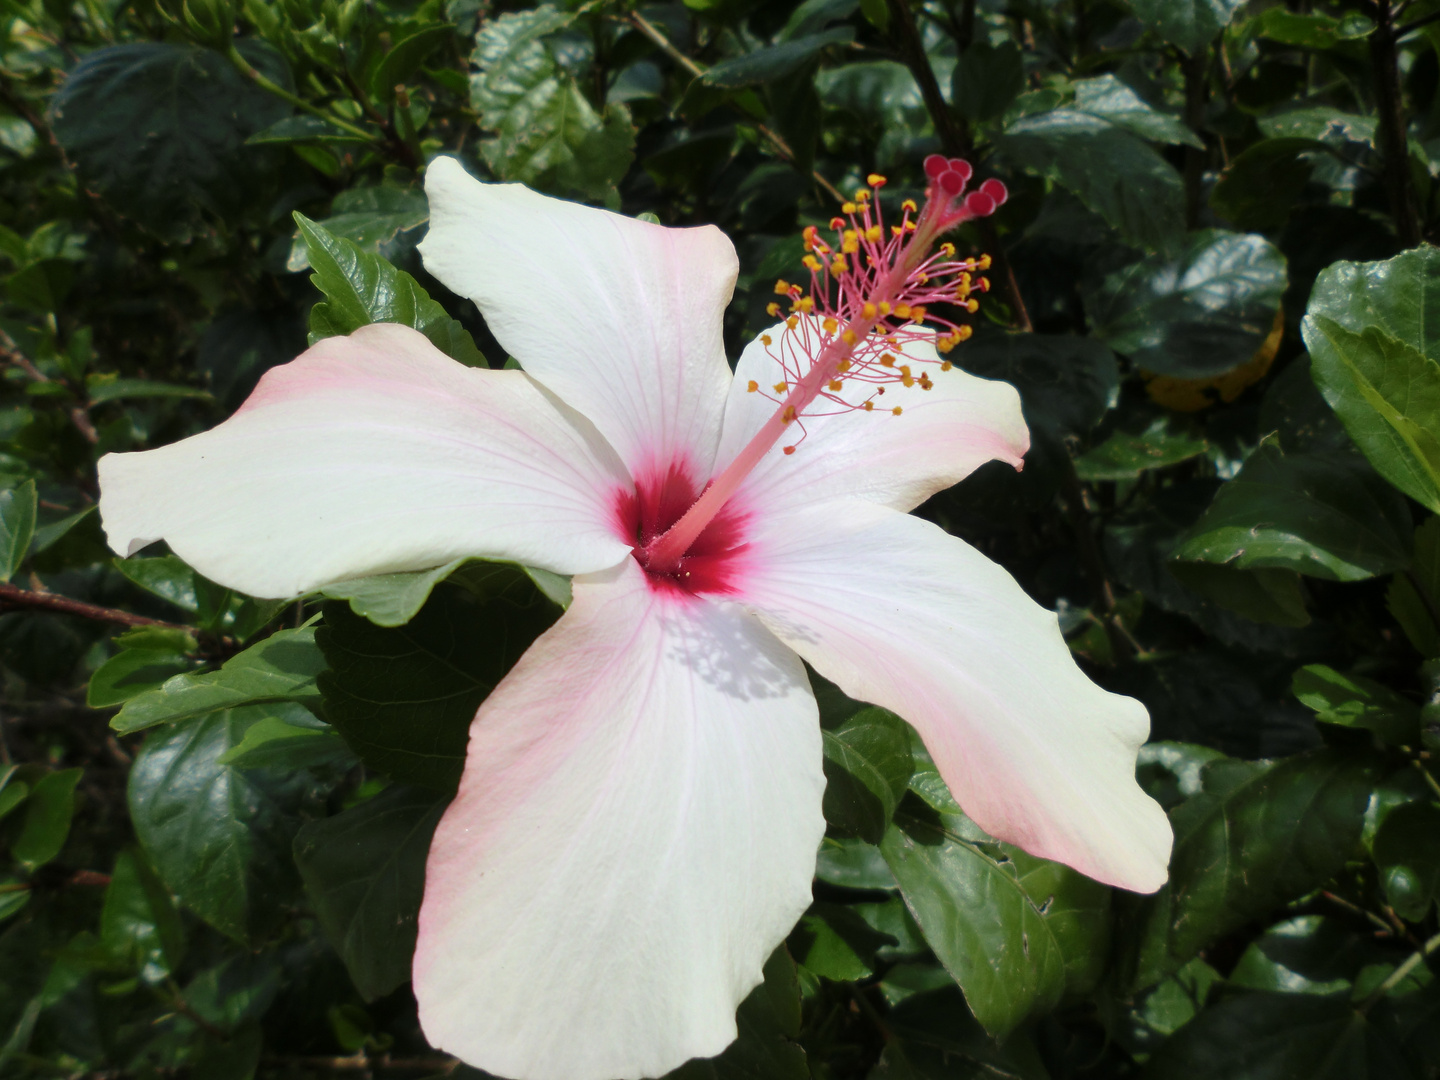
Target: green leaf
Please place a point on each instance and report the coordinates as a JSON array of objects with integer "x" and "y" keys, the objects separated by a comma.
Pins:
[
  {"x": 219, "y": 838},
  {"x": 1322, "y": 124},
  {"x": 775, "y": 61},
  {"x": 159, "y": 129},
  {"x": 1372, "y": 333},
  {"x": 1199, "y": 312},
  {"x": 1264, "y": 182},
  {"x": 102, "y": 388},
  {"x": 931, "y": 1037},
  {"x": 1324, "y": 514},
  {"x": 364, "y": 870},
  {"x": 1067, "y": 384},
  {"x": 867, "y": 769},
  {"x": 1014, "y": 931},
  {"x": 278, "y": 742},
  {"x": 1124, "y": 456},
  {"x": 362, "y": 288},
  {"x": 1407, "y": 854},
  {"x": 46, "y": 824},
  {"x": 13, "y": 790},
  {"x": 1269, "y": 1036},
  {"x": 1257, "y": 836},
  {"x": 167, "y": 576},
  {"x": 768, "y": 1023},
  {"x": 405, "y": 57},
  {"x": 139, "y": 923},
  {"x": 374, "y": 218},
  {"x": 853, "y": 864},
  {"x": 1114, "y": 173},
  {"x": 1354, "y": 701},
  {"x": 548, "y": 135},
  {"x": 1412, "y": 610},
  {"x": 1168, "y": 1006},
  {"x": 134, "y": 671},
  {"x": 1312, "y": 31},
  {"x": 281, "y": 668},
  {"x": 17, "y": 525},
  {"x": 393, "y": 599},
  {"x": 1310, "y": 954},
  {"x": 1190, "y": 24},
  {"x": 404, "y": 697},
  {"x": 987, "y": 79},
  {"x": 834, "y": 941},
  {"x": 1110, "y": 99}
]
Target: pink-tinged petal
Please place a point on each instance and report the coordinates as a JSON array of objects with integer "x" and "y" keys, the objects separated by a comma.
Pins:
[
  {"x": 619, "y": 317},
  {"x": 635, "y": 833},
  {"x": 941, "y": 436},
  {"x": 898, "y": 613},
  {"x": 372, "y": 454}
]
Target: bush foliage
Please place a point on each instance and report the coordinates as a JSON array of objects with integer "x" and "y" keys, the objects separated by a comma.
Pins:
[{"x": 1211, "y": 287}]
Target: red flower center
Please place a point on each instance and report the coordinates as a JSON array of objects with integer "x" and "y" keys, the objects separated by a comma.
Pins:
[{"x": 711, "y": 562}]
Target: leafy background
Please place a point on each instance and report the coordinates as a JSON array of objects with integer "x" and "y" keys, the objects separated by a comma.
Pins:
[{"x": 1212, "y": 289}]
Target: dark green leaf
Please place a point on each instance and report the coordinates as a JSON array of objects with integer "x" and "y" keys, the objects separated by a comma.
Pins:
[
  {"x": 17, "y": 525},
  {"x": 1407, "y": 854},
  {"x": 1013, "y": 930},
  {"x": 279, "y": 742},
  {"x": 1114, "y": 173},
  {"x": 987, "y": 79},
  {"x": 1171, "y": 1004},
  {"x": 1124, "y": 456},
  {"x": 405, "y": 57},
  {"x": 46, "y": 824},
  {"x": 1310, "y": 954},
  {"x": 867, "y": 768},
  {"x": 1110, "y": 99},
  {"x": 1412, "y": 601},
  {"x": 374, "y": 218},
  {"x": 281, "y": 668},
  {"x": 1269, "y": 1036},
  {"x": 933, "y": 1037},
  {"x": 404, "y": 697},
  {"x": 1202, "y": 311},
  {"x": 853, "y": 864},
  {"x": 1355, "y": 701},
  {"x": 364, "y": 870},
  {"x": 140, "y": 924},
  {"x": 134, "y": 671},
  {"x": 1312, "y": 31},
  {"x": 160, "y": 129},
  {"x": 1324, "y": 514},
  {"x": 393, "y": 599},
  {"x": 1263, "y": 183},
  {"x": 1258, "y": 836},
  {"x": 1371, "y": 330},
  {"x": 1190, "y": 24},
  {"x": 1067, "y": 384},
  {"x": 362, "y": 288},
  {"x": 219, "y": 838},
  {"x": 833, "y": 941},
  {"x": 102, "y": 388},
  {"x": 775, "y": 61}
]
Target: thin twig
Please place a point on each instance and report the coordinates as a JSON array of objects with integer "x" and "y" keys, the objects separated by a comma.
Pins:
[
  {"x": 14, "y": 598},
  {"x": 1399, "y": 975},
  {"x": 776, "y": 140}
]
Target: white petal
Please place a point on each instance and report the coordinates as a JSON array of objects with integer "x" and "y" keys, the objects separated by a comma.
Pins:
[
  {"x": 635, "y": 832},
  {"x": 898, "y": 613},
  {"x": 940, "y": 437},
  {"x": 372, "y": 454},
  {"x": 619, "y": 317}
]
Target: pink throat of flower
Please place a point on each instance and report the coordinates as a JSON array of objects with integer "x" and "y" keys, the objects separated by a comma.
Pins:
[
  {"x": 713, "y": 559},
  {"x": 871, "y": 291}
]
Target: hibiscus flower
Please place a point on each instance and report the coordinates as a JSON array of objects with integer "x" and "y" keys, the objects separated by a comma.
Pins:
[{"x": 637, "y": 824}]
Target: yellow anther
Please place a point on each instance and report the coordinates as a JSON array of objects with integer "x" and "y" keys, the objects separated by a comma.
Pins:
[
  {"x": 805, "y": 304},
  {"x": 781, "y": 387},
  {"x": 972, "y": 305},
  {"x": 861, "y": 194},
  {"x": 902, "y": 310},
  {"x": 983, "y": 284},
  {"x": 895, "y": 230},
  {"x": 873, "y": 233},
  {"x": 922, "y": 277},
  {"x": 848, "y": 208},
  {"x": 830, "y": 324},
  {"x": 896, "y": 411},
  {"x": 765, "y": 339},
  {"x": 887, "y": 360},
  {"x": 788, "y": 415},
  {"x": 962, "y": 333},
  {"x": 782, "y": 288},
  {"x": 947, "y": 249},
  {"x": 909, "y": 204},
  {"x": 909, "y": 226},
  {"x": 875, "y": 180},
  {"x": 850, "y": 243},
  {"x": 884, "y": 307},
  {"x": 808, "y": 237},
  {"x": 792, "y": 322},
  {"x": 836, "y": 384},
  {"x": 848, "y": 336},
  {"x": 982, "y": 263},
  {"x": 869, "y": 311},
  {"x": 944, "y": 344},
  {"x": 917, "y": 313},
  {"x": 812, "y": 264},
  {"x": 839, "y": 265},
  {"x": 906, "y": 379},
  {"x": 869, "y": 405},
  {"x": 772, "y": 309},
  {"x": 751, "y": 386},
  {"x": 946, "y": 365},
  {"x": 843, "y": 366}
]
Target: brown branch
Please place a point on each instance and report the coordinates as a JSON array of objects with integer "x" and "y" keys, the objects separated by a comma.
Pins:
[
  {"x": 773, "y": 137},
  {"x": 1390, "y": 114},
  {"x": 14, "y": 598},
  {"x": 955, "y": 138}
]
